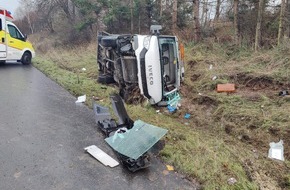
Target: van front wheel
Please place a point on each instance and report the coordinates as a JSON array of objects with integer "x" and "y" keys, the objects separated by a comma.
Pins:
[{"x": 26, "y": 58}]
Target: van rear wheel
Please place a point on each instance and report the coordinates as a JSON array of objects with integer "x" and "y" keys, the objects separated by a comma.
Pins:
[{"x": 26, "y": 58}]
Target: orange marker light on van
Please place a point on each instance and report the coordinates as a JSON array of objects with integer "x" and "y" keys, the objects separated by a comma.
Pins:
[{"x": 181, "y": 47}]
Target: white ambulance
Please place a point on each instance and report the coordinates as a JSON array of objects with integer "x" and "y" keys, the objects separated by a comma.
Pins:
[{"x": 13, "y": 44}]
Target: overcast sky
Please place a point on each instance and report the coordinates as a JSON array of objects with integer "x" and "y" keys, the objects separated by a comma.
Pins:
[{"x": 10, "y": 5}]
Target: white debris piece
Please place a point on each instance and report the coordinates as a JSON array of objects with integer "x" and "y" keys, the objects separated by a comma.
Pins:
[
  {"x": 84, "y": 69},
  {"x": 210, "y": 67},
  {"x": 81, "y": 99},
  {"x": 276, "y": 150},
  {"x": 100, "y": 155},
  {"x": 232, "y": 181}
]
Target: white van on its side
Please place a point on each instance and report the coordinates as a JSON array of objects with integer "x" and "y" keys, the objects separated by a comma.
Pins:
[
  {"x": 13, "y": 44},
  {"x": 149, "y": 64}
]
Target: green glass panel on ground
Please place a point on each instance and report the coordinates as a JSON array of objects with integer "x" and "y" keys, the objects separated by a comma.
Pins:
[{"x": 137, "y": 140}]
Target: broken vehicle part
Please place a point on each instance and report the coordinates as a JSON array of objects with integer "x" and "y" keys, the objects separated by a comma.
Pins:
[
  {"x": 100, "y": 155},
  {"x": 153, "y": 63},
  {"x": 130, "y": 140},
  {"x": 136, "y": 141}
]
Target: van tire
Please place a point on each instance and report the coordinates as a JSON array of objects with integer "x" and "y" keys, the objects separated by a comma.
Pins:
[
  {"x": 109, "y": 41},
  {"x": 26, "y": 58},
  {"x": 106, "y": 79}
]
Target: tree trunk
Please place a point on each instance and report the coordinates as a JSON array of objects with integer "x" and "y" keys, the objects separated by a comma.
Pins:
[
  {"x": 197, "y": 31},
  {"x": 287, "y": 21},
  {"x": 281, "y": 22},
  {"x": 174, "y": 16},
  {"x": 29, "y": 22},
  {"x": 217, "y": 10},
  {"x": 205, "y": 13},
  {"x": 259, "y": 23},
  {"x": 236, "y": 22},
  {"x": 161, "y": 8},
  {"x": 139, "y": 24},
  {"x": 132, "y": 21}
]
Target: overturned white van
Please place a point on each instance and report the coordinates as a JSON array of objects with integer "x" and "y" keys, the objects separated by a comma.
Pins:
[{"x": 153, "y": 64}]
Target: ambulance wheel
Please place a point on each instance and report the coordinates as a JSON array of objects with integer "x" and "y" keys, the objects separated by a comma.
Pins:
[{"x": 26, "y": 58}]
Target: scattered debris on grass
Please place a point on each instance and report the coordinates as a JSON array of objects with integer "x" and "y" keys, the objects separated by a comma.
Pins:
[
  {"x": 283, "y": 93},
  {"x": 187, "y": 116},
  {"x": 276, "y": 150},
  {"x": 232, "y": 181},
  {"x": 130, "y": 140},
  {"x": 95, "y": 98},
  {"x": 81, "y": 99},
  {"x": 226, "y": 88},
  {"x": 171, "y": 109},
  {"x": 170, "y": 168},
  {"x": 255, "y": 112}
]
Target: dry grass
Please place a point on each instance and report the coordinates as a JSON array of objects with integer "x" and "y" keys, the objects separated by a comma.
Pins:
[
  {"x": 227, "y": 135},
  {"x": 255, "y": 115}
]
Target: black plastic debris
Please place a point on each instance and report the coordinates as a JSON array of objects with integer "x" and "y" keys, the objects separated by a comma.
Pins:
[{"x": 283, "y": 93}]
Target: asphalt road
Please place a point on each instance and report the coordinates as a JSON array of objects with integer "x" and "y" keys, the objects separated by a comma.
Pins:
[{"x": 43, "y": 134}]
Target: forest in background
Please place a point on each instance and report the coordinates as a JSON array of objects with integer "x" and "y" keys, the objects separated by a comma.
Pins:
[{"x": 251, "y": 23}]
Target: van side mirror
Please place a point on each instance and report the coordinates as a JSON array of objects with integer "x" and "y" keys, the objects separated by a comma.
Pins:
[{"x": 25, "y": 37}]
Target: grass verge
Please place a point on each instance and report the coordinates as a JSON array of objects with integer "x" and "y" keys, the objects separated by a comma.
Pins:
[{"x": 221, "y": 140}]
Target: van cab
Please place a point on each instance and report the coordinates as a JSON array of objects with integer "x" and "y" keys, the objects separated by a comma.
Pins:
[{"x": 13, "y": 44}]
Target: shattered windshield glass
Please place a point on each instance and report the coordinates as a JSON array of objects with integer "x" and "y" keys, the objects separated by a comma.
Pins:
[{"x": 136, "y": 141}]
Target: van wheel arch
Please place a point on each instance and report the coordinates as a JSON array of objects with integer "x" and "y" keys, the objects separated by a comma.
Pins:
[{"x": 26, "y": 58}]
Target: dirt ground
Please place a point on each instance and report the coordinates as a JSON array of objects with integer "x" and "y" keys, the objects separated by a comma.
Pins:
[{"x": 248, "y": 131}]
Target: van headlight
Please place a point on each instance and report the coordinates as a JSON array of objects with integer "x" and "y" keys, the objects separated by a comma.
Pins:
[{"x": 146, "y": 42}]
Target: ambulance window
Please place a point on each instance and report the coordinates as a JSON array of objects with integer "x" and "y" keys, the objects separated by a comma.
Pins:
[
  {"x": 0, "y": 24},
  {"x": 14, "y": 33}
]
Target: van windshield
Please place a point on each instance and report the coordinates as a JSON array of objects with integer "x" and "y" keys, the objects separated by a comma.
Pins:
[{"x": 168, "y": 56}]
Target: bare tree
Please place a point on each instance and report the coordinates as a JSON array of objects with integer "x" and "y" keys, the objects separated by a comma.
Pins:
[
  {"x": 236, "y": 21},
  {"x": 259, "y": 24},
  {"x": 160, "y": 8},
  {"x": 174, "y": 16},
  {"x": 68, "y": 7},
  {"x": 197, "y": 30},
  {"x": 287, "y": 20},
  {"x": 217, "y": 10},
  {"x": 27, "y": 11},
  {"x": 131, "y": 13},
  {"x": 282, "y": 21}
]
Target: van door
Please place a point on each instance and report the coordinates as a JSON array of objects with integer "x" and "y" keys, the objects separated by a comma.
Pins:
[
  {"x": 16, "y": 43},
  {"x": 3, "y": 42}
]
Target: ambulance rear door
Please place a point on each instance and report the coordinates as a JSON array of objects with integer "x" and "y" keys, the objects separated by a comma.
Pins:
[{"x": 3, "y": 41}]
